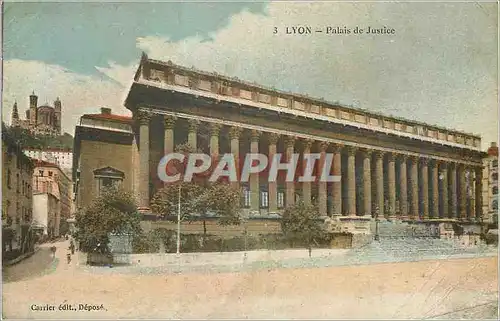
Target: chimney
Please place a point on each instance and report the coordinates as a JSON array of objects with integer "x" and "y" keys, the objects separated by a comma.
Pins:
[
  {"x": 493, "y": 150},
  {"x": 105, "y": 111}
]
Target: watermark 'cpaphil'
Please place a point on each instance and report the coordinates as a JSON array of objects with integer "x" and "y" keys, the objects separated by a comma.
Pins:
[{"x": 253, "y": 163}]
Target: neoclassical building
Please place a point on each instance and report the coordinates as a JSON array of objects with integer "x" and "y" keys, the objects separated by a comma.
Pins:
[{"x": 391, "y": 167}]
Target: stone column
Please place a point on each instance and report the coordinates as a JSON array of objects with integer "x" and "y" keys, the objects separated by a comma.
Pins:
[
  {"x": 453, "y": 191},
  {"x": 414, "y": 187},
  {"x": 391, "y": 183},
  {"x": 273, "y": 191},
  {"x": 254, "y": 177},
  {"x": 444, "y": 190},
  {"x": 322, "y": 197},
  {"x": 367, "y": 182},
  {"x": 472, "y": 195},
  {"x": 192, "y": 132},
  {"x": 435, "y": 189},
  {"x": 168, "y": 146},
  {"x": 337, "y": 186},
  {"x": 290, "y": 186},
  {"x": 144, "y": 118},
  {"x": 403, "y": 188},
  {"x": 306, "y": 186},
  {"x": 234, "y": 136},
  {"x": 463, "y": 192},
  {"x": 424, "y": 173},
  {"x": 351, "y": 181},
  {"x": 478, "y": 192},
  {"x": 379, "y": 183},
  {"x": 214, "y": 141}
]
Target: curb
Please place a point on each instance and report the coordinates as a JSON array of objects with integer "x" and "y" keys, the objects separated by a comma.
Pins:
[{"x": 20, "y": 258}]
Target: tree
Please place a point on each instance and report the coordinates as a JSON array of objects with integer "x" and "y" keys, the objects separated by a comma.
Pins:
[
  {"x": 301, "y": 222},
  {"x": 199, "y": 198},
  {"x": 115, "y": 211}
]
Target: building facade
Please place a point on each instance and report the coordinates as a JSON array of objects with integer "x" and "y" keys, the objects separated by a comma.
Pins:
[
  {"x": 52, "y": 192},
  {"x": 60, "y": 156},
  {"x": 40, "y": 120},
  {"x": 490, "y": 184},
  {"x": 102, "y": 155},
  {"x": 390, "y": 167},
  {"x": 394, "y": 166},
  {"x": 47, "y": 212},
  {"x": 17, "y": 170}
]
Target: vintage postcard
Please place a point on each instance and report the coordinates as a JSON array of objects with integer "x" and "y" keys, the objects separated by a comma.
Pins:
[{"x": 250, "y": 160}]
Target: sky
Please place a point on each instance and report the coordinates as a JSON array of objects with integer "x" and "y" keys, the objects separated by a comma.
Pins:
[{"x": 440, "y": 66}]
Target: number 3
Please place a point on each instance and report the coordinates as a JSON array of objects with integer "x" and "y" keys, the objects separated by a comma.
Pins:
[{"x": 275, "y": 30}]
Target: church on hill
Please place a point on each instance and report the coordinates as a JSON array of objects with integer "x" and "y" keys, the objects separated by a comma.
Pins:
[{"x": 40, "y": 120}]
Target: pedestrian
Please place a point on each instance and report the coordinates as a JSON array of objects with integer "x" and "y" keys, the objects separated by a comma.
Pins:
[
  {"x": 53, "y": 251},
  {"x": 72, "y": 247},
  {"x": 68, "y": 257}
]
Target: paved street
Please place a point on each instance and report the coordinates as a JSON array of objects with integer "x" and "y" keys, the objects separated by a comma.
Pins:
[
  {"x": 36, "y": 265},
  {"x": 434, "y": 288}
]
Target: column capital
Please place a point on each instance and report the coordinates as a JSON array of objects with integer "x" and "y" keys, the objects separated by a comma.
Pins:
[
  {"x": 255, "y": 135},
  {"x": 402, "y": 157},
  {"x": 414, "y": 159},
  {"x": 323, "y": 146},
  {"x": 193, "y": 125},
  {"x": 273, "y": 138},
  {"x": 215, "y": 129},
  {"x": 391, "y": 157},
  {"x": 366, "y": 152},
  {"x": 378, "y": 154},
  {"x": 235, "y": 132},
  {"x": 443, "y": 165},
  {"x": 337, "y": 148},
  {"x": 351, "y": 150},
  {"x": 289, "y": 141},
  {"x": 434, "y": 162},
  {"x": 169, "y": 121},
  {"x": 143, "y": 117},
  {"x": 307, "y": 143},
  {"x": 424, "y": 161}
]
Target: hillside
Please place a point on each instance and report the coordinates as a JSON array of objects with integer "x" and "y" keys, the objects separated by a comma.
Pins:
[{"x": 27, "y": 140}]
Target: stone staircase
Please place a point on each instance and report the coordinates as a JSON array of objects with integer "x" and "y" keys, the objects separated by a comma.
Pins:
[{"x": 398, "y": 229}]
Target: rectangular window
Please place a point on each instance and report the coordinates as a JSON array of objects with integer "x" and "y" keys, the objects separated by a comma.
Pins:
[
  {"x": 281, "y": 199},
  {"x": 107, "y": 182},
  {"x": 246, "y": 197},
  {"x": 9, "y": 178},
  {"x": 264, "y": 199},
  {"x": 50, "y": 173},
  {"x": 41, "y": 173}
]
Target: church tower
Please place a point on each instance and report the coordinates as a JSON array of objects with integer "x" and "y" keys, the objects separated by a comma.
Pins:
[
  {"x": 15, "y": 115},
  {"x": 33, "y": 111},
  {"x": 58, "y": 114}
]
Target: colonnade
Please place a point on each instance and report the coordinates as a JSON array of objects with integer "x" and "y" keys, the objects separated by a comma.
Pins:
[{"x": 392, "y": 183}]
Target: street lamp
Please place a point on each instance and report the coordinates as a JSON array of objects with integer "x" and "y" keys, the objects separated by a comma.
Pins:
[
  {"x": 179, "y": 222},
  {"x": 377, "y": 238}
]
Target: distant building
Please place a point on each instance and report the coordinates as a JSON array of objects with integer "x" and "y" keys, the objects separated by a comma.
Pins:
[
  {"x": 17, "y": 171},
  {"x": 40, "y": 120},
  {"x": 51, "y": 198},
  {"x": 490, "y": 184},
  {"x": 60, "y": 156}
]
